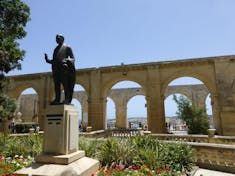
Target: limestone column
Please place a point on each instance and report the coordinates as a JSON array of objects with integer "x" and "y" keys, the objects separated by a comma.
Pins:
[
  {"x": 96, "y": 103},
  {"x": 121, "y": 114},
  {"x": 84, "y": 113},
  {"x": 155, "y": 102},
  {"x": 199, "y": 99},
  {"x": 216, "y": 116}
]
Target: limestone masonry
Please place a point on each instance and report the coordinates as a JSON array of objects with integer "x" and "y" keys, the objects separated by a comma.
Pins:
[{"x": 217, "y": 74}]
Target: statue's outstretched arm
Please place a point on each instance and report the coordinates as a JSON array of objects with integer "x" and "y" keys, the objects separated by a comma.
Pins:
[{"x": 48, "y": 60}]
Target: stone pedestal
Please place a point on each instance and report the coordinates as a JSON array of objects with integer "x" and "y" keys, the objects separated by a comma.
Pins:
[
  {"x": 61, "y": 128},
  {"x": 60, "y": 149}
]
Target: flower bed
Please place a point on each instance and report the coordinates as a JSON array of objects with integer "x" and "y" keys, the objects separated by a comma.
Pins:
[
  {"x": 122, "y": 170},
  {"x": 9, "y": 165},
  {"x": 139, "y": 156}
]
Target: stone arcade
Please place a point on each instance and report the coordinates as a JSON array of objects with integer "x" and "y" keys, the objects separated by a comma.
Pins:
[
  {"x": 217, "y": 73},
  {"x": 196, "y": 93}
]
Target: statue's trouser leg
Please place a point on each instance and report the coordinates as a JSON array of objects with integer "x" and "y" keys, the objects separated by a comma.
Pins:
[
  {"x": 68, "y": 84},
  {"x": 57, "y": 87},
  {"x": 65, "y": 82},
  {"x": 71, "y": 86}
]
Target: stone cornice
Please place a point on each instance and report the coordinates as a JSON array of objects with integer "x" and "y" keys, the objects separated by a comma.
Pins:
[{"x": 140, "y": 66}]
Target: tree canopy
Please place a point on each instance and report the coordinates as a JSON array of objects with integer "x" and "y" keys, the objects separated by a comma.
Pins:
[
  {"x": 7, "y": 107},
  {"x": 14, "y": 16}
]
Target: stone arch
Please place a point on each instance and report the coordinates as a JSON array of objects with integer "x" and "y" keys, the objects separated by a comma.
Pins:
[
  {"x": 19, "y": 88},
  {"x": 84, "y": 86},
  {"x": 28, "y": 106},
  {"x": 81, "y": 96},
  {"x": 200, "y": 101},
  {"x": 79, "y": 101},
  {"x": 178, "y": 74},
  {"x": 107, "y": 85},
  {"x": 112, "y": 103},
  {"x": 139, "y": 105},
  {"x": 184, "y": 92},
  {"x": 133, "y": 94},
  {"x": 120, "y": 103},
  {"x": 212, "y": 124},
  {"x": 206, "y": 95}
]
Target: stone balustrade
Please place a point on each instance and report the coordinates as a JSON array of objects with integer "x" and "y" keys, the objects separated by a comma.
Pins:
[
  {"x": 182, "y": 138},
  {"x": 214, "y": 156},
  {"x": 124, "y": 132},
  {"x": 195, "y": 138}
]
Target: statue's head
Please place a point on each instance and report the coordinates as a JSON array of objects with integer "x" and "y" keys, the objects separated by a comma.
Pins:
[{"x": 59, "y": 39}]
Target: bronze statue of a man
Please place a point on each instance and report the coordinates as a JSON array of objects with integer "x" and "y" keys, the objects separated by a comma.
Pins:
[{"x": 63, "y": 71}]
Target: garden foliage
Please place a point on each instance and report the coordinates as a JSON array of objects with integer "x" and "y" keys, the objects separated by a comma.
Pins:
[
  {"x": 11, "y": 146},
  {"x": 141, "y": 151},
  {"x": 7, "y": 107},
  {"x": 118, "y": 156}
]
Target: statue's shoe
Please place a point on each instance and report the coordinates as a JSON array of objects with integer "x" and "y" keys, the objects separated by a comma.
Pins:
[{"x": 55, "y": 102}]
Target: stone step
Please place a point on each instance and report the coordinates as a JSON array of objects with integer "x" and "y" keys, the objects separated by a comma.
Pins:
[
  {"x": 83, "y": 167},
  {"x": 59, "y": 159}
]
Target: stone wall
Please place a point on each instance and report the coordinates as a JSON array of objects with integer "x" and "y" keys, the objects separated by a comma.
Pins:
[{"x": 214, "y": 156}]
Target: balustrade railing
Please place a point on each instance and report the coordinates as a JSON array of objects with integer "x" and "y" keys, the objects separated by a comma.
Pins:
[
  {"x": 124, "y": 132},
  {"x": 182, "y": 138}
]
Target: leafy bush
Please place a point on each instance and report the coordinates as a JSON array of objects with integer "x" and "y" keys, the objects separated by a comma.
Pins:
[
  {"x": 149, "y": 150},
  {"x": 116, "y": 150},
  {"x": 139, "y": 151},
  {"x": 178, "y": 156},
  {"x": 7, "y": 107},
  {"x": 89, "y": 146},
  {"x": 26, "y": 145}
]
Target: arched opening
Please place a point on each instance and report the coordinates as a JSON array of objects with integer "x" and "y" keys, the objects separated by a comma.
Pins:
[
  {"x": 80, "y": 101},
  {"x": 77, "y": 104},
  {"x": 194, "y": 89},
  {"x": 209, "y": 104},
  {"x": 136, "y": 112},
  {"x": 121, "y": 93},
  {"x": 27, "y": 106},
  {"x": 173, "y": 123},
  {"x": 110, "y": 114}
]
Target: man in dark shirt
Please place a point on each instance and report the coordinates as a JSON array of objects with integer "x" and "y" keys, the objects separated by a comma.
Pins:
[{"x": 63, "y": 71}]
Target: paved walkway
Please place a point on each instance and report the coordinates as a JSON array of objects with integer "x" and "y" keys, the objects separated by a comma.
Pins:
[{"x": 205, "y": 172}]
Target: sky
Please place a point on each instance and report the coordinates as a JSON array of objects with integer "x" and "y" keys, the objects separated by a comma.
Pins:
[{"x": 111, "y": 32}]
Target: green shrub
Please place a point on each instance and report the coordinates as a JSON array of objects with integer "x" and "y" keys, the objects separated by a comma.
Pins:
[
  {"x": 139, "y": 151},
  {"x": 89, "y": 146},
  {"x": 25, "y": 145},
  {"x": 148, "y": 151},
  {"x": 7, "y": 107},
  {"x": 116, "y": 150},
  {"x": 177, "y": 156}
]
